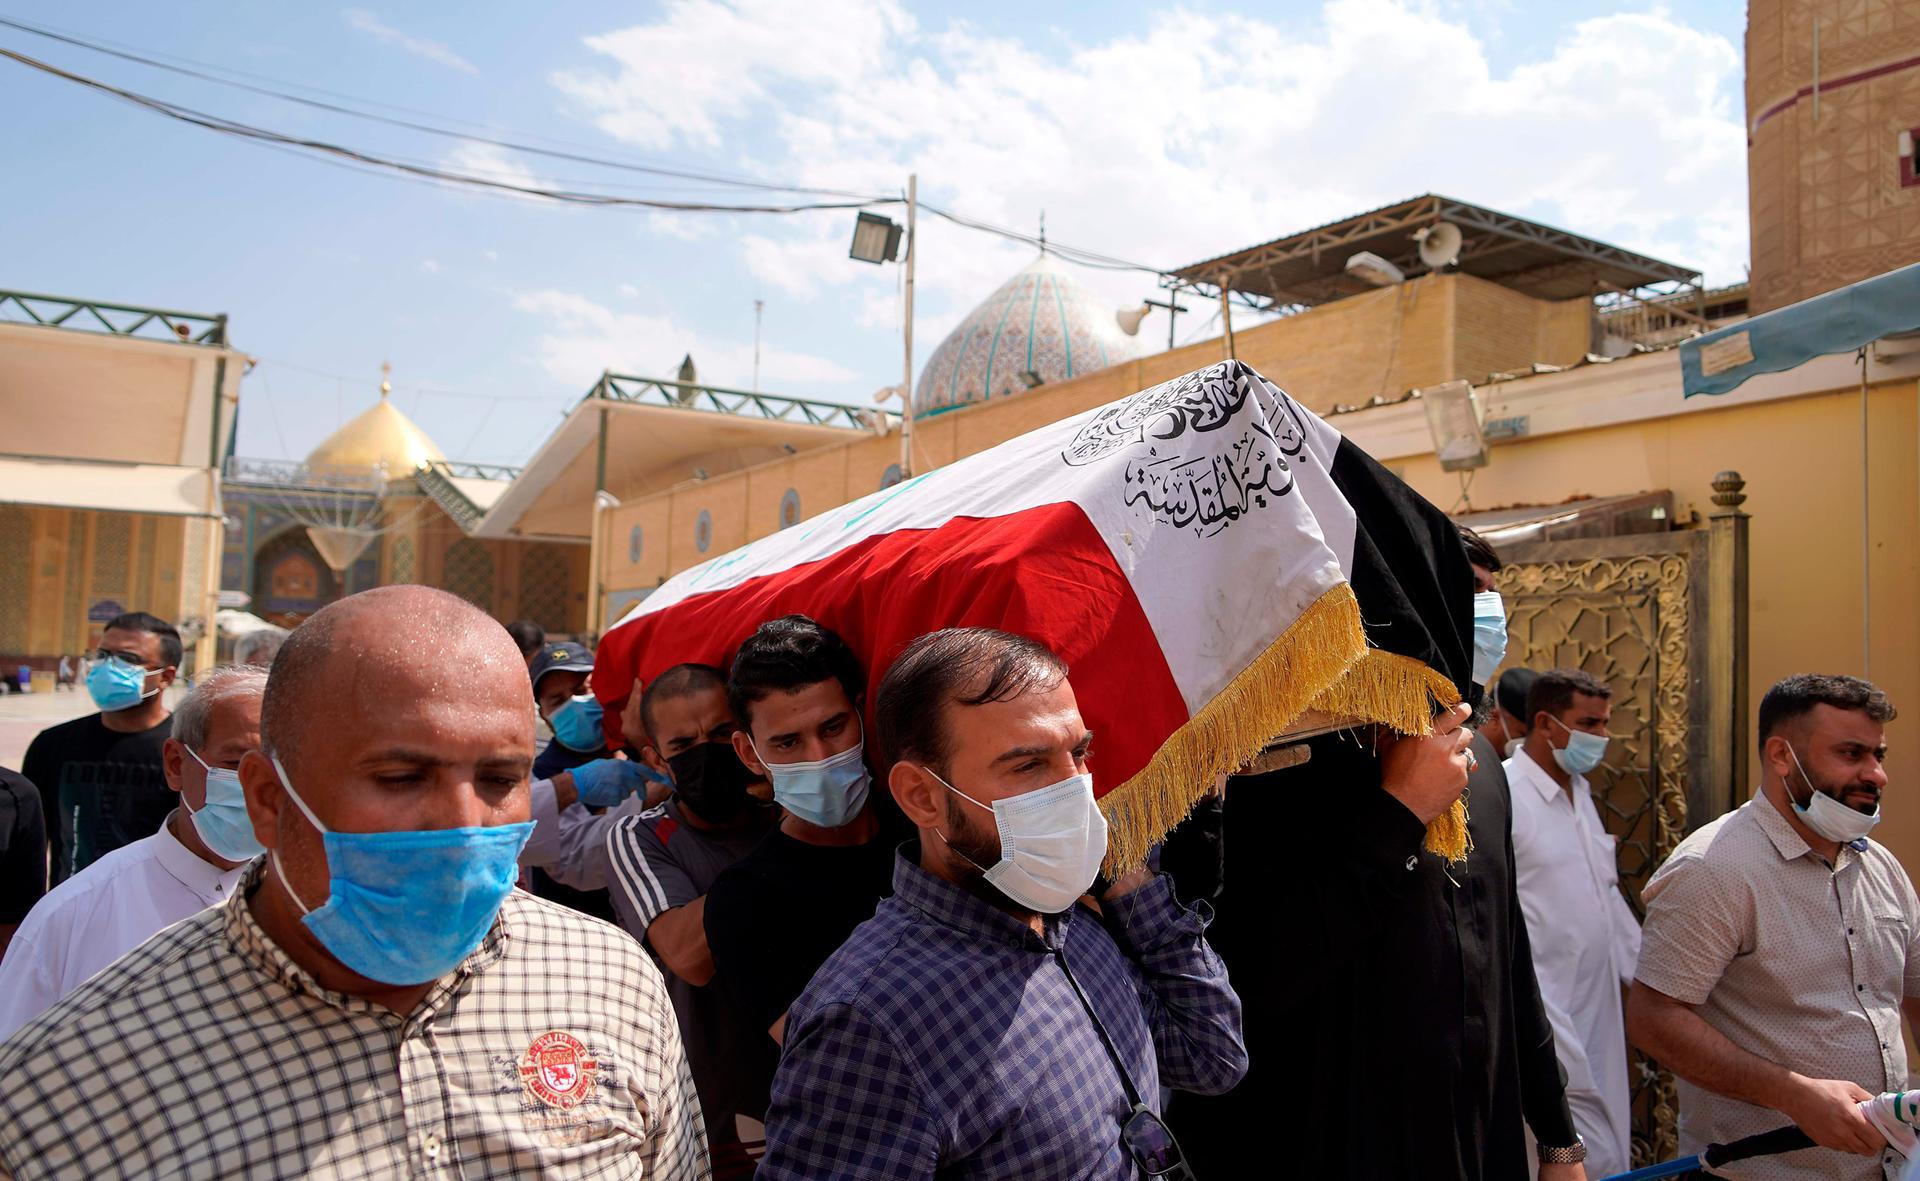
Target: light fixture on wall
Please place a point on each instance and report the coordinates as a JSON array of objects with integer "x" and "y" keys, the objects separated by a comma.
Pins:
[{"x": 1453, "y": 420}]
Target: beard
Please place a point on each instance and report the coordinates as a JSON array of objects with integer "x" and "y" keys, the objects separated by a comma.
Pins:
[
  {"x": 1865, "y": 798},
  {"x": 971, "y": 852}
]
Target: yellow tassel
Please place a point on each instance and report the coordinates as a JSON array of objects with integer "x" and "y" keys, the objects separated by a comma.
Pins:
[{"x": 1321, "y": 663}]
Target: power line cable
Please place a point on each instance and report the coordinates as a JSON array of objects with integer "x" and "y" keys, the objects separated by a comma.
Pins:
[
  {"x": 363, "y": 160},
  {"x": 430, "y": 129},
  {"x": 251, "y": 132}
]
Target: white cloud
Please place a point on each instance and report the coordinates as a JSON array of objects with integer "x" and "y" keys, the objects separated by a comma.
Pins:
[
  {"x": 490, "y": 255},
  {"x": 628, "y": 290},
  {"x": 430, "y": 266},
  {"x": 497, "y": 164},
  {"x": 581, "y": 338},
  {"x": 365, "y": 22},
  {"x": 1191, "y": 136}
]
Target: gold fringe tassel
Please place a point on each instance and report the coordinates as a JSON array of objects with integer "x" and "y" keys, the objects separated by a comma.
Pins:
[{"x": 1321, "y": 662}]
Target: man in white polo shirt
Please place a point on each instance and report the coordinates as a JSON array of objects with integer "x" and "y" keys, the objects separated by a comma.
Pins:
[{"x": 193, "y": 862}]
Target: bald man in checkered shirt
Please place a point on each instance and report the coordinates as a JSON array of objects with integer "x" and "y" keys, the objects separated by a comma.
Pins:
[{"x": 237, "y": 1044}]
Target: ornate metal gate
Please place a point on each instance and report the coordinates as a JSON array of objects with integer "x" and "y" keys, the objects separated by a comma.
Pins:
[{"x": 1661, "y": 618}]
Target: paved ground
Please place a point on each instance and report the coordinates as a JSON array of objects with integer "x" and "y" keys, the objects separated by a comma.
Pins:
[{"x": 22, "y": 715}]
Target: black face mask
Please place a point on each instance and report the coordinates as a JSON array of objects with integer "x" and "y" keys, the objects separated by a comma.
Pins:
[{"x": 709, "y": 778}]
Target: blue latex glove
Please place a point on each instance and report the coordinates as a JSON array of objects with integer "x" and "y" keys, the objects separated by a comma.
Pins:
[{"x": 603, "y": 783}]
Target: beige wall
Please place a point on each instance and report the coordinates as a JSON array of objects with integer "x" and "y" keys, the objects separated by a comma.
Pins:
[
  {"x": 1801, "y": 460},
  {"x": 1383, "y": 342}
]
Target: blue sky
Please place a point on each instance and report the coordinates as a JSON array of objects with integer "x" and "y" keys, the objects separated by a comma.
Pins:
[{"x": 1163, "y": 134}]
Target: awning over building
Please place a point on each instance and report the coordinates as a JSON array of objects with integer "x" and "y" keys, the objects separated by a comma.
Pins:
[
  {"x": 1836, "y": 322},
  {"x": 1309, "y": 267},
  {"x": 658, "y": 434},
  {"x": 106, "y": 487}
]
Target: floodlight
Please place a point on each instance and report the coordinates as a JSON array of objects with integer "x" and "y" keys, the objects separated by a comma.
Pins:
[
  {"x": 1453, "y": 419},
  {"x": 876, "y": 239},
  {"x": 1369, "y": 267}
]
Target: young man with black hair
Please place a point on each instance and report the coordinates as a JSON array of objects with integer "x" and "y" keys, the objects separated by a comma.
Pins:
[
  {"x": 1782, "y": 946},
  {"x": 1585, "y": 938},
  {"x": 102, "y": 780},
  {"x": 983, "y": 1023},
  {"x": 663, "y": 861},
  {"x": 774, "y": 917}
]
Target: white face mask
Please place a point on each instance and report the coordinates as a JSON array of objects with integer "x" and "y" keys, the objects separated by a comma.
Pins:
[
  {"x": 1828, "y": 816},
  {"x": 1051, "y": 843}
]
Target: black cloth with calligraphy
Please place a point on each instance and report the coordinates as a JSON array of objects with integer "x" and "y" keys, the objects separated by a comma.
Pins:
[
  {"x": 1392, "y": 1016},
  {"x": 99, "y": 788}
]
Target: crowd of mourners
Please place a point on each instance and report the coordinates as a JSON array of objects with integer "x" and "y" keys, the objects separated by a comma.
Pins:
[{"x": 383, "y": 898}]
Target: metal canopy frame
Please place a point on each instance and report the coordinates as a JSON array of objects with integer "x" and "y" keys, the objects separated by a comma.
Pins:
[
  {"x": 116, "y": 319},
  {"x": 1309, "y": 268},
  {"x": 437, "y": 481},
  {"x": 709, "y": 399}
]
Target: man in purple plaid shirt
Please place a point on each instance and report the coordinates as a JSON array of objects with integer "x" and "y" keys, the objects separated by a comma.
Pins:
[{"x": 981, "y": 1024}]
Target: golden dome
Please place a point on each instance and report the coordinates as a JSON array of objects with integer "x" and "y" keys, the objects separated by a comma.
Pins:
[{"x": 379, "y": 435}]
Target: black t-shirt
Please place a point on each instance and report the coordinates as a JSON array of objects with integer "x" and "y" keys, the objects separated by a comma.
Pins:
[
  {"x": 99, "y": 788},
  {"x": 774, "y": 916},
  {"x": 23, "y": 847}
]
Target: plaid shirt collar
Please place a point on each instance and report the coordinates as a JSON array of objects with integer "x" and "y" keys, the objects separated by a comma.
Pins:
[
  {"x": 940, "y": 901},
  {"x": 267, "y": 957}
]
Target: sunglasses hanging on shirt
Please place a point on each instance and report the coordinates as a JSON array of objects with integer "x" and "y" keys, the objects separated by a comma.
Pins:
[{"x": 1145, "y": 1136}]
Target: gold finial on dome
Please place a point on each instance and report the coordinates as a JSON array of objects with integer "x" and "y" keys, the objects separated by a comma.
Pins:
[{"x": 386, "y": 375}]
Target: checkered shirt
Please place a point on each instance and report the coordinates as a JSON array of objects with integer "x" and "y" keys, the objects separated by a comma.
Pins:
[
  {"x": 944, "y": 1038},
  {"x": 207, "y": 1053}
]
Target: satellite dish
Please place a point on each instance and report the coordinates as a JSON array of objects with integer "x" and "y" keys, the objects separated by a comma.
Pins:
[
  {"x": 1129, "y": 318},
  {"x": 1439, "y": 244}
]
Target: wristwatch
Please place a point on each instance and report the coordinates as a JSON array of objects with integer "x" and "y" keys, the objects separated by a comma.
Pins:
[{"x": 1572, "y": 1154}]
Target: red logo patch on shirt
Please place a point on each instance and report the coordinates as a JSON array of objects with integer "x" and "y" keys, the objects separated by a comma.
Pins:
[{"x": 557, "y": 1070}]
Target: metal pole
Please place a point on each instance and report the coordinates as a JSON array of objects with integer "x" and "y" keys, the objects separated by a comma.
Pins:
[
  {"x": 758, "y": 306},
  {"x": 1226, "y": 316},
  {"x": 1866, "y": 534},
  {"x": 596, "y": 550},
  {"x": 906, "y": 382}
]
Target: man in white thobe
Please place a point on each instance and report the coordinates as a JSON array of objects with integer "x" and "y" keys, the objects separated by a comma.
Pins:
[{"x": 1585, "y": 938}]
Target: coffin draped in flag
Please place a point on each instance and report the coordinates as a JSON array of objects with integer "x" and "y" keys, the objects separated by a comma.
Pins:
[{"x": 1212, "y": 561}]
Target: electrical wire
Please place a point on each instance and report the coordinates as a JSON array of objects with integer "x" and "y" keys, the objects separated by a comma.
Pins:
[
  {"x": 430, "y": 129},
  {"x": 361, "y": 160},
  {"x": 251, "y": 132}
]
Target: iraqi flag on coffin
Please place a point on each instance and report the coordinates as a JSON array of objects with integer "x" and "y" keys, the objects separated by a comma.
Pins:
[{"x": 1212, "y": 560}]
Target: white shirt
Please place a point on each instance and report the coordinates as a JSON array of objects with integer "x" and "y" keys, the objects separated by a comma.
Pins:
[
  {"x": 101, "y": 913},
  {"x": 1585, "y": 943},
  {"x": 570, "y": 843}
]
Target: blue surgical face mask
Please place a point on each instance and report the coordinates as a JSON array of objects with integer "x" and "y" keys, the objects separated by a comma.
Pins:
[
  {"x": 828, "y": 792},
  {"x": 1583, "y": 751},
  {"x": 1489, "y": 635},
  {"x": 576, "y": 725},
  {"x": 222, "y": 820},
  {"x": 406, "y": 907},
  {"x": 115, "y": 685}
]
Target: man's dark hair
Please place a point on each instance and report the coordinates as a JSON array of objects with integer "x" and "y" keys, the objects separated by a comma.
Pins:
[
  {"x": 529, "y": 636},
  {"x": 1510, "y": 692},
  {"x": 1479, "y": 552},
  {"x": 790, "y": 653},
  {"x": 1554, "y": 691},
  {"x": 1797, "y": 696},
  {"x": 682, "y": 680},
  {"x": 961, "y": 666},
  {"x": 153, "y": 625}
]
